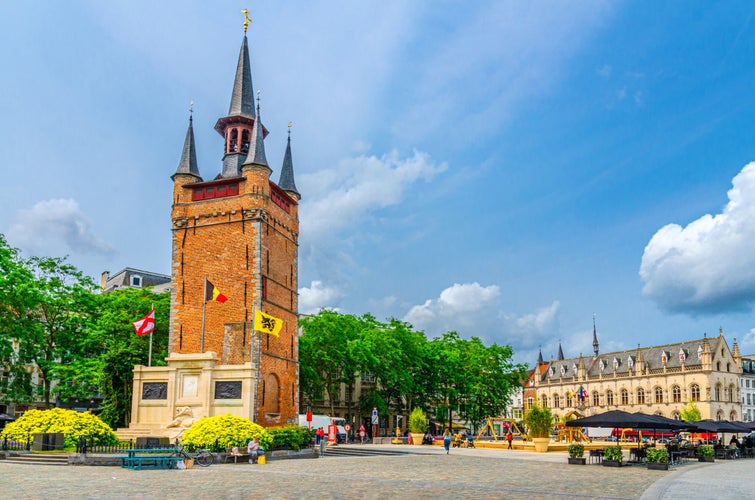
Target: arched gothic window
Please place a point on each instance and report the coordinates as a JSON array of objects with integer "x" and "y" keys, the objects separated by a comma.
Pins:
[
  {"x": 640, "y": 396},
  {"x": 695, "y": 392},
  {"x": 658, "y": 395},
  {"x": 676, "y": 394}
]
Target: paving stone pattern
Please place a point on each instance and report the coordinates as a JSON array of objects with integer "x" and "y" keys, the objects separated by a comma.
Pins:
[{"x": 423, "y": 474}]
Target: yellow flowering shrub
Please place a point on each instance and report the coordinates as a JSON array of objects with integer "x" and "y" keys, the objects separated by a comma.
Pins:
[
  {"x": 72, "y": 424},
  {"x": 224, "y": 431}
]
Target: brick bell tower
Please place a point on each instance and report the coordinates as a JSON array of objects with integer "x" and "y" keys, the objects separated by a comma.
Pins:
[{"x": 239, "y": 230}]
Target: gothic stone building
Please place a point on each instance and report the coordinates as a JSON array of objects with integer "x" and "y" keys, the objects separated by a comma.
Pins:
[
  {"x": 654, "y": 380},
  {"x": 239, "y": 230}
]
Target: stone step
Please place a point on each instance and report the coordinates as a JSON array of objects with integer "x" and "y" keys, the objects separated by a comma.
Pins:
[
  {"x": 38, "y": 459},
  {"x": 361, "y": 451}
]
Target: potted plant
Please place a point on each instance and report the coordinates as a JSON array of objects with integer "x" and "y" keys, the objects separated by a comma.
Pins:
[
  {"x": 576, "y": 454},
  {"x": 612, "y": 456},
  {"x": 417, "y": 425},
  {"x": 705, "y": 453},
  {"x": 657, "y": 458},
  {"x": 539, "y": 421}
]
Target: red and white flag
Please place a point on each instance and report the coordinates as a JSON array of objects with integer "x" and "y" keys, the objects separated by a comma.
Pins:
[{"x": 145, "y": 325}]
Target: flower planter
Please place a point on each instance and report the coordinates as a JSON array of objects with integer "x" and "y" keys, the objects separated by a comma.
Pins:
[
  {"x": 612, "y": 463},
  {"x": 705, "y": 459},
  {"x": 577, "y": 460},
  {"x": 541, "y": 444},
  {"x": 657, "y": 465},
  {"x": 417, "y": 438}
]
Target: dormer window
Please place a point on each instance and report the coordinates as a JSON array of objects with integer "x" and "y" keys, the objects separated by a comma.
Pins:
[{"x": 136, "y": 281}]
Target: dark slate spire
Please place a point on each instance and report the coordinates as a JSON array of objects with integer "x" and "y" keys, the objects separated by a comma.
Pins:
[
  {"x": 188, "y": 163},
  {"x": 286, "y": 181},
  {"x": 540, "y": 356},
  {"x": 560, "y": 352},
  {"x": 256, "y": 155},
  {"x": 594, "y": 337},
  {"x": 242, "y": 97},
  {"x": 236, "y": 127}
]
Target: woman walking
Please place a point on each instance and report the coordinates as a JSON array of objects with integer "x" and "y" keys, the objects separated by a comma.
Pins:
[{"x": 447, "y": 440}]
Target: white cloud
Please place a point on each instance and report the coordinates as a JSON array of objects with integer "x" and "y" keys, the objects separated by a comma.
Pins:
[
  {"x": 473, "y": 309},
  {"x": 709, "y": 265},
  {"x": 316, "y": 297},
  {"x": 341, "y": 197},
  {"x": 459, "y": 307},
  {"x": 747, "y": 345},
  {"x": 54, "y": 227}
]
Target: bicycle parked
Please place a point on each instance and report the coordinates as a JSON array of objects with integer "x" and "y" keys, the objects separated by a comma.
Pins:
[{"x": 203, "y": 458}]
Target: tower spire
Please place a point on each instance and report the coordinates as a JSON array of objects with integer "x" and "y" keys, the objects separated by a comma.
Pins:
[
  {"x": 286, "y": 181},
  {"x": 540, "y": 356},
  {"x": 256, "y": 154},
  {"x": 560, "y": 352},
  {"x": 595, "y": 349},
  {"x": 188, "y": 163},
  {"x": 236, "y": 127}
]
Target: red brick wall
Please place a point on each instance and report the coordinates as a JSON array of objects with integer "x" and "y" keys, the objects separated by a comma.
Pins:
[{"x": 237, "y": 243}]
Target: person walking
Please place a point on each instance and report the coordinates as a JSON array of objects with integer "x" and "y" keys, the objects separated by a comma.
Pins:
[
  {"x": 321, "y": 441},
  {"x": 447, "y": 440},
  {"x": 509, "y": 438}
]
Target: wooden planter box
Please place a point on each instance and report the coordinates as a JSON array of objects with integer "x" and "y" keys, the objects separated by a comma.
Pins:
[
  {"x": 705, "y": 459},
  {"x": 577, "y": 460},
  {"x": 612, "y": 463},
  {"x": 657, "y": 465}
]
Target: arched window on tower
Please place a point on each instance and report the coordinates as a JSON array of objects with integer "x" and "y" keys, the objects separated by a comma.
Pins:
[
  {"x": 556, "y": 401},
  {"x": 245, "y": 141},
  {"x": 624, "y": 397},
  {"x": 233, "y": 142},
  {"x": 718, "y": 394},
  {"x": 609, "y": 398},
  {"x": 595, "y": 398},
  {"x": 640, "y": 396}
]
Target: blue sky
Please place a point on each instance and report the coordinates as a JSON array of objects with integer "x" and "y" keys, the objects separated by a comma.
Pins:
[{"x": 503, "y": 169}]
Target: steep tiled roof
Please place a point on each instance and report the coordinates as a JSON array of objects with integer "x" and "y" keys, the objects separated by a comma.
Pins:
[
  {"x": 622, "y": 361},
  {"x": 188, "y": 163},
  {"x": 286, "y": 181}
]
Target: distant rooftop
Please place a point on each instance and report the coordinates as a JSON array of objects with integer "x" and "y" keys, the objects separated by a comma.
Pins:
[{"x": 135, "y": 278}]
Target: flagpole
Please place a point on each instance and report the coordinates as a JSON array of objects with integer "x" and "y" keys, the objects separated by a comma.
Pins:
[
  {"x": 204, "y": 308},
  {"x": 256, "y": 335},
  {"x": 149, "y": 360}
]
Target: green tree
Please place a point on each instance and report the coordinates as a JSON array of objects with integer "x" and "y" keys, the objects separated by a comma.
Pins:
[
  {"x": 121, "y": 349},
  {"x": 55, "y": 306},
  {"x": 325, "y": 356},
  {"x": 394, "y": 354},
  {"x": 15, "y": 320},
  {"x": 690, "y": 412}
]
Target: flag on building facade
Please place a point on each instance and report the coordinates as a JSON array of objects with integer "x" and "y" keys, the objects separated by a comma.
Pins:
[
  {"x": 211, "y": 292},
  {"x": 266, "y": 323},
  {"x": 145, "y": 325}
]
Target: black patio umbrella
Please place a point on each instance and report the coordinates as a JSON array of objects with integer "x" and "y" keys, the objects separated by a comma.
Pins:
[
  {"x": 709, "y": 425},
  {"x": 620, "y": 418}
]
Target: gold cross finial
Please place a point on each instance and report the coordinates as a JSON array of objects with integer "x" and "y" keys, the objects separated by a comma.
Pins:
[{"x": 247, "y": 19}]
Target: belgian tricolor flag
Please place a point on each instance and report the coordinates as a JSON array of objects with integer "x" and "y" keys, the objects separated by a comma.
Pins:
[{"x": 211, "y": 292}]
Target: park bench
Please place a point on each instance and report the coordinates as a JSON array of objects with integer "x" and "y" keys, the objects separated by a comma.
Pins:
[{"x": 149, "y": 458}]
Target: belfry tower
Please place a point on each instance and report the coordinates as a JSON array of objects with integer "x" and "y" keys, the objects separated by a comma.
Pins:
[{"x": 238, "y": 230}]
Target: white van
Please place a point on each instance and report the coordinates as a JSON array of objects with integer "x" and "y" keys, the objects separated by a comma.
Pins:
[{"x": 324, "y": 421}]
